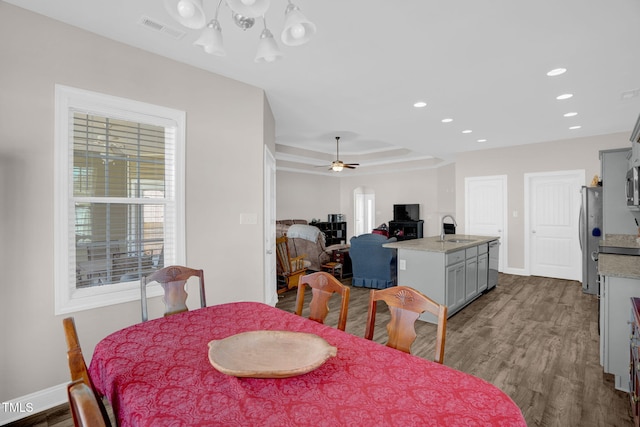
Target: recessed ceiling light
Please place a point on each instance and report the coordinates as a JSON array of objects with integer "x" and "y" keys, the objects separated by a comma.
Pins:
[
  {"x": 482, "y": 140},
  {"x": 575, "y": 127},
  {"x": 556, "y": 72},
  {"x": 564, "y": 96},
  {"x": 573, "y": 113},
  {"x": 447, "y": 120},
  {"x": 467, "y": 131},
  {"x": 420, "y": 104}
]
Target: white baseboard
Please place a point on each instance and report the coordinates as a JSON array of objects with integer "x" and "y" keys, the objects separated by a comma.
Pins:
[
  {"x": 25, "y": 406},
  {"x": 516, "y": 271}
]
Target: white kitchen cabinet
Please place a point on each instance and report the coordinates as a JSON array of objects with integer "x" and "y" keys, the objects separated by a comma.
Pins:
[
  {"x": 617, "y": 218},
  {"x": 483, "y": 272},
  {"x": 615, "y": 312},
  {"x": 455, "y": 286},
  {"x": 471, "y": 273},
  {"x": 635, "y": 155}
]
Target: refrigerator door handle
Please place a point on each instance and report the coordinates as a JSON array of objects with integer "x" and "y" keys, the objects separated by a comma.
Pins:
[{"x": 581, "y": 225}]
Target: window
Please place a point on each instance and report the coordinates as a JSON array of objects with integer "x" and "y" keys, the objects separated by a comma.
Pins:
[
  {"x": 364, "y": 210},
  {"x": 119, "y": 196}
]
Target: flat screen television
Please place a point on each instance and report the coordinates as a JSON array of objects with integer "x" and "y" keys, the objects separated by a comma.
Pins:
[{"x": 406, "y": 212}]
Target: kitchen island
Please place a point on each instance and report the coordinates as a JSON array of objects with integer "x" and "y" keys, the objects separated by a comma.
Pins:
[{"x": 453, "y": 272}]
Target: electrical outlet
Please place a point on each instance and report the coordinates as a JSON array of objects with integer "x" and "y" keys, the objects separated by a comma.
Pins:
[{"x": 403, "y": 264}]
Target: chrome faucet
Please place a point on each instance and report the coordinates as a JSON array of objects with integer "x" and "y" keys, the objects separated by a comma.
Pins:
[{"x": 454, "y": 223}]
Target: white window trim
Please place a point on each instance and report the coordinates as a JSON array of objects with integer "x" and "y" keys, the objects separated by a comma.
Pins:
[{"x": 68, "y": 299}]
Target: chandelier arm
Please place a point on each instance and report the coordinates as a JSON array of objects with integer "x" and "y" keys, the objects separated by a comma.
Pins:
[{"x": 218, "y": 9}]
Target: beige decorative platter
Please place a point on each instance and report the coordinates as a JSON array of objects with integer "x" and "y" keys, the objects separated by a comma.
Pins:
[{"x": 269, "y": 354}]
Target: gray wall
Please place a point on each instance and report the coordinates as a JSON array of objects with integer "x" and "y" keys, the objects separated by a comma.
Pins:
[{"x": 228, "y": 124}]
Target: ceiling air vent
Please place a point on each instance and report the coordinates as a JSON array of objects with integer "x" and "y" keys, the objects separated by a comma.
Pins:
[
  {"x": 152, "y": 24},
  {"x": 630, "y": 94}
]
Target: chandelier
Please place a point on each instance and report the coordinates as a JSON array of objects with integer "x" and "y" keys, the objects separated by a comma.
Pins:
[{"x": 297, "y": 28}]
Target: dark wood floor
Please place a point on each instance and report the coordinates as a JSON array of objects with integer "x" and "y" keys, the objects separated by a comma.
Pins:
[{"x": 535, "y": 338}]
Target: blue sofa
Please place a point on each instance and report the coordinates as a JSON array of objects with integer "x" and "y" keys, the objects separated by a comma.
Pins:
[{"x": 373, "y": 266}]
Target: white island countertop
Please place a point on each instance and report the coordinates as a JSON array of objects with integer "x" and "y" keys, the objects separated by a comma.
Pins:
[{"x": 452, "y": 242}]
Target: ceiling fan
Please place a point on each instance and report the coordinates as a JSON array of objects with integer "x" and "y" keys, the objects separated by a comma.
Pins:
[{"x": 337, "y": 165}]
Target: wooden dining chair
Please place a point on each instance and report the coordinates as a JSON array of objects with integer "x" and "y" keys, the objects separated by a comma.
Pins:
[
  {"x": 323, "y": 285},
  {"x": 78, "y": 367},
  {"x": 85, "y": 406},
  {"x": 289, "y": 268},
  {"x": 405, "y": 305},
  {"x": 173, "y": 280}
]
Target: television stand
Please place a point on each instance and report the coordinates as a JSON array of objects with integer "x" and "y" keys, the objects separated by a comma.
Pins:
[{"x": 406, "y": 230}]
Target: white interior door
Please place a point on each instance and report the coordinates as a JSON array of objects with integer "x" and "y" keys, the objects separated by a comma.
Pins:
[
  {"x": 485, "y": 210},
  {"x": 270, "y": 280},
  {"x": 552, "y": 204}
]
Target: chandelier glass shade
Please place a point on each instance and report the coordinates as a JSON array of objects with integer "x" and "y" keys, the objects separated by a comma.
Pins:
[
  {"x": 211, "y": 39},
  {"x": 249, "y": 8},
  {"x": 188, "y": 13},
  {"x": 267, "y": 48},
  {"x": 297, "y": 30}
]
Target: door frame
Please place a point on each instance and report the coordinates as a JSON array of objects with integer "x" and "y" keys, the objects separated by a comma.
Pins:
[
  {"x": 504, "y": 237},
  {"x": 269, "y": 207},
  {"x": 528, "y": 178}
]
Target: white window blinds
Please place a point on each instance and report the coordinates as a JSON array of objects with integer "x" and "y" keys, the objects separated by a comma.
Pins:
[{"x": 122, "y": 175}]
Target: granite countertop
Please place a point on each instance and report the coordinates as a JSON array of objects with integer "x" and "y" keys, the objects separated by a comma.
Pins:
[
  {"x": 619, "y": 265},
  {"x": 433, "y": 243},
  {"x": 620, "y": 240}
]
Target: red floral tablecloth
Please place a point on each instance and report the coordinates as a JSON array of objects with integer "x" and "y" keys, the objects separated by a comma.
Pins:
[{"x": 158, "y": 373}]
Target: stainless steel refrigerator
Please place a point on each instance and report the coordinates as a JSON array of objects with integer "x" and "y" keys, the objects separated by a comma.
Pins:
[{"x": 590, "y": 226}]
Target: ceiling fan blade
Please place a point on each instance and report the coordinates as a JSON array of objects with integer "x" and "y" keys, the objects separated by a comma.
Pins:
[
  {"x": 352, "y": 164},
  {"x": 349, "y": 166}
]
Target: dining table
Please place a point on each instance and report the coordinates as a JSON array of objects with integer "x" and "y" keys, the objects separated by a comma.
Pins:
[{"x": 158, "y": 373}]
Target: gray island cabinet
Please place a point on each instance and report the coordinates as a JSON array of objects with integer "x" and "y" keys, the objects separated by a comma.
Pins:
[{"x": 453, "y": 272}]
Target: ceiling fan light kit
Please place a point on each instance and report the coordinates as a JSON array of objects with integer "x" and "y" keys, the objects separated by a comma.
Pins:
[
  {"x": 297, "y": 30},
  {"x": 338, "y": 165}
]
